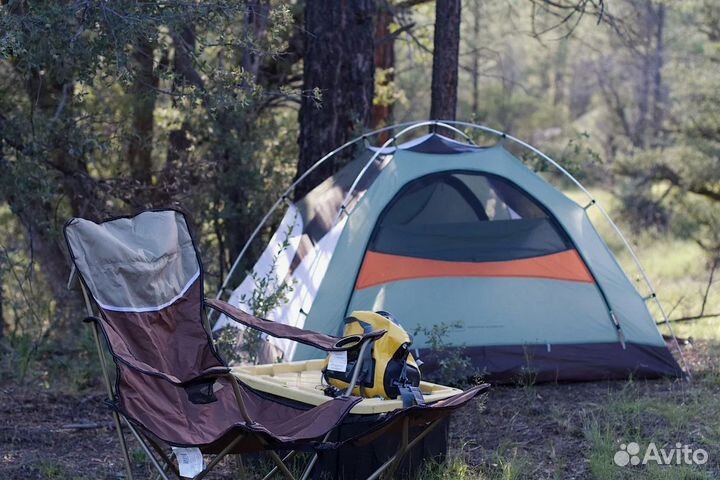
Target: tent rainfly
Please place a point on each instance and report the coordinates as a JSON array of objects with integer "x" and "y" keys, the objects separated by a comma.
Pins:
[{"x": 438, "y": 230}]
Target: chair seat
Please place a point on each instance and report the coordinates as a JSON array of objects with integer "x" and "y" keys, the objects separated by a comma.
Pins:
[{"x": 164, "y": 410}]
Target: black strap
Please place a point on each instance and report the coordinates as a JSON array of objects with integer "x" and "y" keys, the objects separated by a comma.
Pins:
[{"x": 411, "y": 396}]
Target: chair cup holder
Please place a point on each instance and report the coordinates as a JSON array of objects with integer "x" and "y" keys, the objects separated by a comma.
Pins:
[{"x": 348, "y": 342}]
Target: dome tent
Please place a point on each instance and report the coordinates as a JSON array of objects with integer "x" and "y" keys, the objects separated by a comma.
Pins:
[{"x": 438, "y": 230}]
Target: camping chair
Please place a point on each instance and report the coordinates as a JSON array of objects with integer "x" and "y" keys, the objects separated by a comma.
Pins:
[{"x": 171, "y": 387}]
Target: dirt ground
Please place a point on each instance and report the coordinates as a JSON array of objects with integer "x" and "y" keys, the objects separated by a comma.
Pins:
[{"x": 545, "y": 427}]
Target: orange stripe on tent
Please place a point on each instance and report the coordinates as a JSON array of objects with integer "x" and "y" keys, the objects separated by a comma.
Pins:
[{"x": 380, "y": 268}]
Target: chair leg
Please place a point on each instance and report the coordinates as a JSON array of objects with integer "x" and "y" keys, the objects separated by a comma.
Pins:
[
  {"x": 123, "y": 445},
  {"x": 148, "y": 452},
  {"x": 166, "y": 467},
  {"x": 310, "y": 465},
  {"x": 275, "y": 468},
  {"x": 108, "y": 387},
  {"x": 165, "y": 458},
  {"x": 218, "y": 457},
  {"x": 243, "y": 473},
  {"x": 283, "y": 468},
  {"x": 348, "y": 392},
  {"x": 402, "y": 449}
]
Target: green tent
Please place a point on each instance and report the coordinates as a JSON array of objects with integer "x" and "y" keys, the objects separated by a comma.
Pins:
[{"x": 441, "y": 231}]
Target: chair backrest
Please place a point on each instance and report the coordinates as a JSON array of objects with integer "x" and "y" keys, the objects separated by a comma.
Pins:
[{"x": 145, "y": 276}]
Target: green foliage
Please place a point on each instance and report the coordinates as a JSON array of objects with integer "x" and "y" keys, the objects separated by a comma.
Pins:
[
  {"x": 639, "y": 107},
  {"x": 454, "y": 365},
  {"x": 269, "y": 292},
  {"x": 217, "y": 85},
  {"x": 110, "y": 108},
  {"x": 138, "y": 457},
  {"x": 527, "y": 375},
  {"x": 50, "y": 470},
  {"x": 454, "y": 468},
  {"x": 386, "y": 91}
]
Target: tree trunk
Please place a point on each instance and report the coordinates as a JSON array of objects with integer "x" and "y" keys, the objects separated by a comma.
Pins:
[
  {"x": 256, "y": 22},
  {"x": 339, "y": 65},
  {"x": 650, "y": 88},
  {"x": 560, "y": 67},
  {"x": 385, "y": 65},
  {"x": 184, "y": 75},
  {"x": 38, "y": 215},
  {"x": 476, "y": 6},
  {"x": 445, "y": 60},
  {"x": 144, "y": 91},
  {"x": 656, "y": 113}
]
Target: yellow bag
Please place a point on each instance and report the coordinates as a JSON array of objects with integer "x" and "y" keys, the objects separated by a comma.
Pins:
[{"x": 388, "y": 367}]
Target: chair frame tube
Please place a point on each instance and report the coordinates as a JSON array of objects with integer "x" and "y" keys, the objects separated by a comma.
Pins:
[
  {"x": 142, "y": 439},
  {"x": 106, "y": 378},
  {"x": 147, "y": 445}
]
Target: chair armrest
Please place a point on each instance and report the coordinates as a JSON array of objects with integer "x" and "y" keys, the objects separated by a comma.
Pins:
[{"x": 329, "y": 343}]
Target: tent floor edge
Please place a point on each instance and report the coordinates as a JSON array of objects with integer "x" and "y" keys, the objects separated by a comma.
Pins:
[{"x": 577, "y": 362}]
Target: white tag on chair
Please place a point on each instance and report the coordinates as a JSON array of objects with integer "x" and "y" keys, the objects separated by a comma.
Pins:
[
  {"x": 190, "y": 461},
  {"x": 337, "y": 361}
]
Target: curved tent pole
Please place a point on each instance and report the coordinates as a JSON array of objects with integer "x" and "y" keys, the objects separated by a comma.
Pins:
[
  {"x": 358, "y": 177},
  {"x": 603, "y": 212},
  {"x": 436, "y": 123},
  {"x": 450, "y": 124},
  {"x": 284, "y": 196},
  {"x": 565, "y": 172},
  {"x": 391, "y": 140},
  {"x": 300, "y": 179}
]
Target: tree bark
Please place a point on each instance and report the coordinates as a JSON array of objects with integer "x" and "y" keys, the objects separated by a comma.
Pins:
[
  {"x": 650, "y": 89},
  {"x": 475, "y": 69},
  {"x": 445, "y": 60},
  {"x": 385, "y": 62},
  {"x": 560, "y": 67},
  {"x": 144, "y": 92},
  {"x": 53, "y": 109},
  {"x": 256, "y": 22},
  {"x": 339, "y": 64},
  {"x": 656, "y": 113},
  {"x": 184, "y": 75}
]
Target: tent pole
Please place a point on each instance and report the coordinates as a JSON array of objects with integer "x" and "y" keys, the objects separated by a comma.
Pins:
[
  {"x": 284, "y": 196},
  {"x": 390, "y": 141},
  {"x": 358, "y": 177},
  {"x": 452, "y": 125},
  {"x": 605, "y": 215},
  {"x": 299, "y": 180}
]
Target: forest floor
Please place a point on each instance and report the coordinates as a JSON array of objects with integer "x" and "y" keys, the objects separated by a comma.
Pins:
[{"x": 565, "y": 431}]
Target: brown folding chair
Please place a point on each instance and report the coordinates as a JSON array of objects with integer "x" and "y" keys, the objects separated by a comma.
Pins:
[{"x": 171, "y": 388}]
